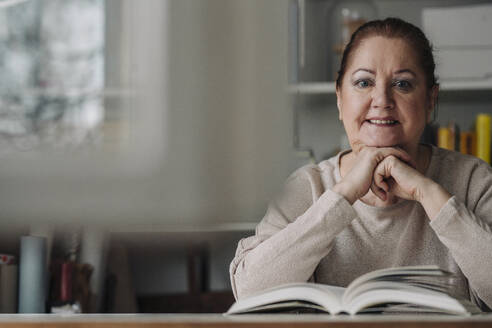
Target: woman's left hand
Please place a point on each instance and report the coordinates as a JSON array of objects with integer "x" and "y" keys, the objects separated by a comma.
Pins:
[{"x": 398, "y": 178}]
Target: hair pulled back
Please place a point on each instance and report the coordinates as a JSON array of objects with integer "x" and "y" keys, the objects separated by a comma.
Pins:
[{"x": 392, "y": 28}]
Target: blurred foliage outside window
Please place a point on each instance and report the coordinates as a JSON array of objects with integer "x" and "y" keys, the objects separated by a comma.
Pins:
[{"x": 51, "y": 74}]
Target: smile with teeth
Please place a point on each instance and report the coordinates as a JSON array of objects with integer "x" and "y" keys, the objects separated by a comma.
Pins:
[{"x": 382, "y": 122}]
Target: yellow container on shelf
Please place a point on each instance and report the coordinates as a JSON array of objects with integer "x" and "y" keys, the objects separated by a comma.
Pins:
[
  {"x": 483, "y": 136},
  {"x": 444, "y": 138}
]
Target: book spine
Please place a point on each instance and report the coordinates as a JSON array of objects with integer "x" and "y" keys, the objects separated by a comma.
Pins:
[
  {"x": 32, "y": 275},
  {"x": 8, "y": 288},
  {"x": 455, "y": 135},
  {"x": 468, "y": 143},
  {"x": 464, "y": 143},
  {"x": 483, "y": 136},
  {"x": 473, "y": 143}
]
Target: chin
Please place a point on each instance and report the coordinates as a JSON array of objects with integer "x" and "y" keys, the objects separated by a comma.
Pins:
[{"x": 382, "y": 144}]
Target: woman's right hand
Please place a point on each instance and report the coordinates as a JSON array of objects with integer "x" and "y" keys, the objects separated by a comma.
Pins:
[{"x": 359, "y": 179}]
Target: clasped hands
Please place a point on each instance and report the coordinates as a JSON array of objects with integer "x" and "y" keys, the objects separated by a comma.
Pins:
[{"x": 390, "y": 170}]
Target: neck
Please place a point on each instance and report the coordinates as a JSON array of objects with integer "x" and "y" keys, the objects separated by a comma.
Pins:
[{"x": 421, "y": 155}]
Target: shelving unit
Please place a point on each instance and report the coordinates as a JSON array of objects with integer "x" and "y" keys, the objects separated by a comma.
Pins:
[
  {"x": 173, "y": 228},
  {"x": 312, "y": 88},
  {"x": 314, "y": 32},
  {"x": 330, "y": 87},
  {"x": 466, "y": 85}
]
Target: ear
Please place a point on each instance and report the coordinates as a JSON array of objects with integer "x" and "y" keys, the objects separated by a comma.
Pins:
[
  {"x": 339, "y": 104},
  {"x": 432, "y": 101}
]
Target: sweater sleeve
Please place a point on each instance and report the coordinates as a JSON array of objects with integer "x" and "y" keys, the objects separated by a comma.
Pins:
[
  {"x": 292, "y": 238},
  {"x": 465, "y": 229}
]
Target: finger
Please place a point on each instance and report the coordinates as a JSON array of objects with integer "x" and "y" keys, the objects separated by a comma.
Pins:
[
  {"x": 397, "y": 152},
  {"x": 408, "y": 159},
  {"x": 383, "y": 185},
  {"x": 378, "y": 192},
  {"x": 379, "y": 175}
]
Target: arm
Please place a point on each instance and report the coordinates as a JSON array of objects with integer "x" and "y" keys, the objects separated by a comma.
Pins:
[
  {"x": 292, "y": 238},
  {"x": 466, "y": 232},
  {"x": 463, "y": 228}
]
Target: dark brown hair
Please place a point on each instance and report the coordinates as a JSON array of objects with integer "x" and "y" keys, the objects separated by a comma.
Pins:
[{"x": 392, "y": 28}]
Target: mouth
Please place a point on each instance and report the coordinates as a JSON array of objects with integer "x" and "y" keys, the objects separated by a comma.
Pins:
[{"x": 383, "y": 122}]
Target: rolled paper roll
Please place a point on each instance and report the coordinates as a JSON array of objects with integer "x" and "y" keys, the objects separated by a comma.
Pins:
[{"x": 32, "y": 275}]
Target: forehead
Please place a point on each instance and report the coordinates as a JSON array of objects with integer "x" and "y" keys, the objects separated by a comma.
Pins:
[{"x": 383, "y": 54}]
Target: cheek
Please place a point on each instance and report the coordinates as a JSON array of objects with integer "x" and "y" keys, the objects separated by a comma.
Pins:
[
  {"x": 415, "y": 114},
  {"x": 416, "y": 106},
  {"x": 354, "y": 111}
]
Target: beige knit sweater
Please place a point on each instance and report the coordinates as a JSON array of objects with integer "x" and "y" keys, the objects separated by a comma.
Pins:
[{"x": 310, "y": 233}]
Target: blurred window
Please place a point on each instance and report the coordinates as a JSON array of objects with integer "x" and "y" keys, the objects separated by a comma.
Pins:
[{"x": 51, "y": 74}]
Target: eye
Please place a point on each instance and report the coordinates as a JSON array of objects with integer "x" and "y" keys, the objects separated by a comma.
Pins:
[
  {"x": 402, "y": 84},
  {"x": 363, "y": 83}
]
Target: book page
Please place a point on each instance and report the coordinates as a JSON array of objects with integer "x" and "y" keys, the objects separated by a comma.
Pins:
[
  {"x": 419, "y": 298},
  {"x": 328, "y": 297},
  {"x": 397, "y": 273},
  {"x": 348, "y": 297}
]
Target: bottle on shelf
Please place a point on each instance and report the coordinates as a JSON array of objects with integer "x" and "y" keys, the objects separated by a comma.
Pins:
[
  {"x": 346, "y": 17},
  {"x": 483, "y": 123}
]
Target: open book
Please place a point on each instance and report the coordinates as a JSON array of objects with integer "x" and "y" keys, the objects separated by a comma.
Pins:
[{"x": 402, "y": 289}]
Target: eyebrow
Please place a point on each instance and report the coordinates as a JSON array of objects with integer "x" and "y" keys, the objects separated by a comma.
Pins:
[
  {"x": 405, "y": 70},
  {"x": 401, "y": 71},
  {"x": 364, "y": 70}
]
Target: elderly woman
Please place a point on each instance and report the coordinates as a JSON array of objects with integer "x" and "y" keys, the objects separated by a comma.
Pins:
[{"x": 389, "y": 200}]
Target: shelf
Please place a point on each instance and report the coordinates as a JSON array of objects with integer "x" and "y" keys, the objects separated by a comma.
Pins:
[
  {"x": 312, "y": 88},
  {"x": 466, "y": 85},
  {"x": 329, "y": 87},
  {"x": 171, "y": 228}
]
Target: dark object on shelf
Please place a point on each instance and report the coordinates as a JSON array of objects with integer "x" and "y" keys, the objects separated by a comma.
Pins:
[
  {"x": 66, "y": 281},
  {"x": 199, "y": 299},
  {"x": 212, "y": 302},
  {"x": 108, "y": 304},
  {"x": 69, "y": 283},
  {"x": 81, "y": 291}
]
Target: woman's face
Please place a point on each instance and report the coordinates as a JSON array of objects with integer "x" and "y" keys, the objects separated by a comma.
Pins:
[{"x": 384, "y": 100}]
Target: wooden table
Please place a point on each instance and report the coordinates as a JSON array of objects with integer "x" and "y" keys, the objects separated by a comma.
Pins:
[{"x": 243, "y": 321}]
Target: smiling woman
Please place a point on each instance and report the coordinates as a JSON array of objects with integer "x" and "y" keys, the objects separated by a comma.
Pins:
[
  {"x": 389, "y": 200},
  {"x": 384, "y": 101}
]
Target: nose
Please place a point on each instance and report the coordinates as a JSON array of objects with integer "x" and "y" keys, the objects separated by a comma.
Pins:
[{"x": 382, "y": 97}]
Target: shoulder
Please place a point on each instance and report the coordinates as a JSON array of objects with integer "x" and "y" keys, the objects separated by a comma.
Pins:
[
  {"x": 307, "y": 183},
  {"x": 465, "y": 176},
  {"x": 319, "y": 176},
  {"x": 300, "y": 191},
  {"x": 456, "y": 161}
]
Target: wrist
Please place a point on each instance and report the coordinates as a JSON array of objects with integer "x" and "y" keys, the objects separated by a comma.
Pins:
[
  {"x": 344, "y": 190},
  {"x": 432, "y": 197},
  {"x": 425, "y": 189}
]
